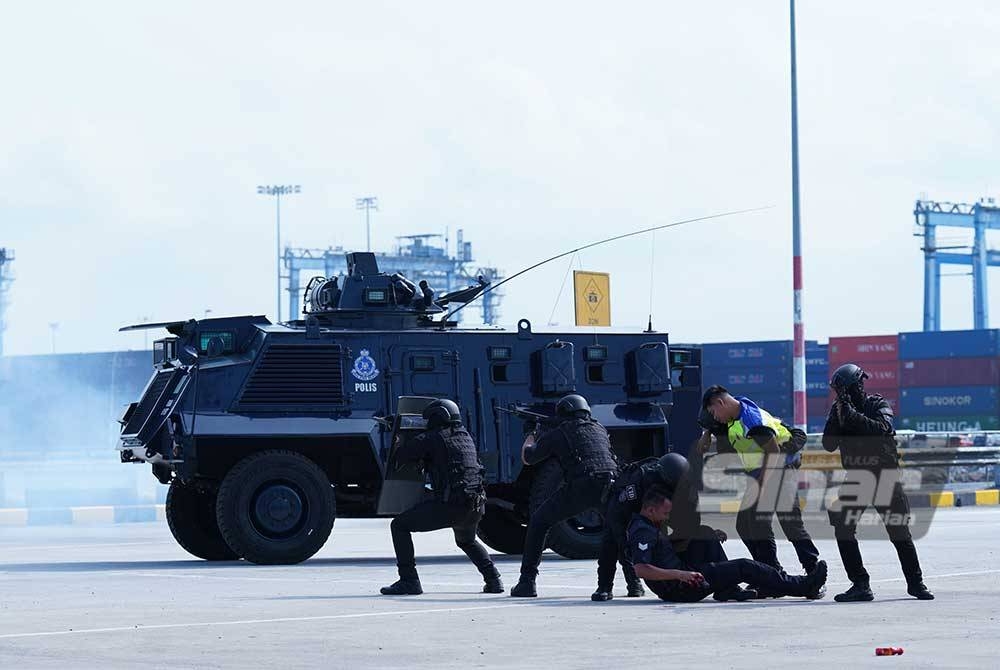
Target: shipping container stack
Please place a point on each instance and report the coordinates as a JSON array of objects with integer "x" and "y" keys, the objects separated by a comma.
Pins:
[
  {"x": 761, "y": 371},
  {"x": 878, "y": 355},
  {"x": 817, "y": 386},
  {"x": 950, "y": 380}
]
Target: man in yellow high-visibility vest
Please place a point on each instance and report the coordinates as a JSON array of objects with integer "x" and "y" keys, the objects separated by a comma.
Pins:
[{"x": 759, "y": 439}]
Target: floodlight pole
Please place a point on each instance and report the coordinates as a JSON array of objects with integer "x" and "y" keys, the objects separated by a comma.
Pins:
[{"x": 277, "y": 192}]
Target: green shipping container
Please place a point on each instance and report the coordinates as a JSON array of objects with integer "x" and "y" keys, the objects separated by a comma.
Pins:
[{"x": 932, "y": 424}]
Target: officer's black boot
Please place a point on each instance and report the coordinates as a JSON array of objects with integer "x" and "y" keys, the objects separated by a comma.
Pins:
[
  {"x": 911, "y": 569},
  {"x": 919, "y": 591},
  {"x": 859, "y": 592},
  {"x": 635, "y": 589},
  {"x": 525, "y": 588},
  {"x": 491, "y": 577},
  {"x": 602, "y": 594},
  {"x": 403, "y": 587},
  {"x": 817, "y": 581}
]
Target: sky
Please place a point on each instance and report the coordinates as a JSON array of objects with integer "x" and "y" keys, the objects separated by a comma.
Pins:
[{"x": 134, "y": 135}]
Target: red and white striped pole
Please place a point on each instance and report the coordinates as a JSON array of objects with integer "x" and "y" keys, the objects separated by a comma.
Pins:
[{"x": 799, "y": 337}]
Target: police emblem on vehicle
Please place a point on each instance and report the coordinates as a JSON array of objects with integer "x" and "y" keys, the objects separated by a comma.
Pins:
[{"x": 365, "y": 370}]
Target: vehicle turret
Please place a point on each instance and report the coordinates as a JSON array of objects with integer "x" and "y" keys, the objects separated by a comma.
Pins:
[{"x": 367, "y": 298}]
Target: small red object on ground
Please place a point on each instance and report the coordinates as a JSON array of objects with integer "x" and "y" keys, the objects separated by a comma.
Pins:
[{"x": 888, "y": 651}]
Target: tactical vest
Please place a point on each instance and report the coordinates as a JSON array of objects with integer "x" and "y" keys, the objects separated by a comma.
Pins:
[
  {"x": 464, "y": 474},
  {"x": 588, "y": 449},
  {"x": 752, "y": 454},
  {"x": 631, "y": 484}
]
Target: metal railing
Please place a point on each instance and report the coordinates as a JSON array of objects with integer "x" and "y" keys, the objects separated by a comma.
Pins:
[{"x": 979, "y": 449}]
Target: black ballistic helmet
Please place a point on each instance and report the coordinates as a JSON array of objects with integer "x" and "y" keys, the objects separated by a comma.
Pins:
[
  {"x": 570, "y": 404},
  {"x": 847, "y": 377},
  {"x": 673, "y": 468},
  {"x": 442, "y": 412}
]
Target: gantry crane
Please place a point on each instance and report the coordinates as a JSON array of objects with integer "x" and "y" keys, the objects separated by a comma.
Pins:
[{"x": 980, "y": 217}]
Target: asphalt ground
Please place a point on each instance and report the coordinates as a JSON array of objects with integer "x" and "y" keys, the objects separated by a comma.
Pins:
[{"x": 124, "y": 596}]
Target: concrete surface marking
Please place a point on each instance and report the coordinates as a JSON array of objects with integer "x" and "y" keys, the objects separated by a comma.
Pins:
[
  {"x": 471, "y": 585},
  {"x": 203, "y": 624},
  {"x": 365, "y": 615},
  {"x": 943, "y": 576}
]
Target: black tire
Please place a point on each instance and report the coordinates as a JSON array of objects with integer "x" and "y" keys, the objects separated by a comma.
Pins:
[
  {"x": 579, "y": 537},
  {"x": 276, "y": 508},
  {"x": 191, "y": 517},
  {"x": 502, "y": 530}
]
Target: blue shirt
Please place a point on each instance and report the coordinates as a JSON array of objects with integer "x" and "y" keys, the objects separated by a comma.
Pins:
[{"x": 646, "y": 544}]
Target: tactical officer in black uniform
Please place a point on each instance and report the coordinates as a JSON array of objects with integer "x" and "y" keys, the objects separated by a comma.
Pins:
[
  {"x": 702, "y": 569},
  {"x": 583, "y": 449},
  {"x": 448, "y": 453},
  {"x": 667, "y": 472},
  {"x": 860, "y": 425}
]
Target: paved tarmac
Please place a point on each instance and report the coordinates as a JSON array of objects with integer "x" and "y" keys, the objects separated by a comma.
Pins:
[{"x": 123, "y": 596}]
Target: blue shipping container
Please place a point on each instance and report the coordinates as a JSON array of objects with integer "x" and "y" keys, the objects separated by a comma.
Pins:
[
  {"x": 746, "y": 354},
  {"x": 761, "y": 379},
  {"x": 815, "y": 375},
  {"x": 950, "y": 344},
  {"x": 816, "y": 389},
  {"x": 948, "y": 400},
  {"x": 817, "y": 357}
]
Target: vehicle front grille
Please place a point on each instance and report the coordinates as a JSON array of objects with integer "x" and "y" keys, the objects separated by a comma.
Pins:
[
  {"x": 293, "y": 377},
  {"x": 149, "y": 402}
]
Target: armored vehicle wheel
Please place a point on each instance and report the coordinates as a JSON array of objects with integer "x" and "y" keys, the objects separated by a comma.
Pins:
[
  {"x": 276, "y": 507},
  {"x": 579, "y": 537},
  {"x": 191, "y": 518},
  {"x": 502, "y": 530}
]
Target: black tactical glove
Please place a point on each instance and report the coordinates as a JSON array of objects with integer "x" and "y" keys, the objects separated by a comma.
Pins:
[{"x": 843, "y": 403}]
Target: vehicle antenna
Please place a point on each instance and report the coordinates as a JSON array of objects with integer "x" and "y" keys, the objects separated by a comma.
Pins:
[
  {"x": 559, "y": 296},
  {"x": 652, "y": 271},
  {"x": 673, "y": 224}
]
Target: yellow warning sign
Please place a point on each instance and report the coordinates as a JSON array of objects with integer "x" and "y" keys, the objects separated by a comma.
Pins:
[{"x": 592, "y": 291}]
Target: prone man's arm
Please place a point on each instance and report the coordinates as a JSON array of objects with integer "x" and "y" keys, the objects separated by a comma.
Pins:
[{"x": 653, "y": 573}]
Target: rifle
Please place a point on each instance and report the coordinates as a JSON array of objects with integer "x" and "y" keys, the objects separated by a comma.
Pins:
[{"x": 535, "y": 419}]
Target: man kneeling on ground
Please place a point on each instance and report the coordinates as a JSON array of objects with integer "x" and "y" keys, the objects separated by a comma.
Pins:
[{"x": 702, "y": 569}]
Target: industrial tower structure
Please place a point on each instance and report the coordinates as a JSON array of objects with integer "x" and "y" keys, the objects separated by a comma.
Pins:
[
  {"x": 6, "y": 277},
  {"x": 415, "y": 256},
  {"x": 980, "y": 217}
]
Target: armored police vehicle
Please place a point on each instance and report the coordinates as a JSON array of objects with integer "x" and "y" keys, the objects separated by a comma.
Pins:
[{"x": 266, "y": 432}]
